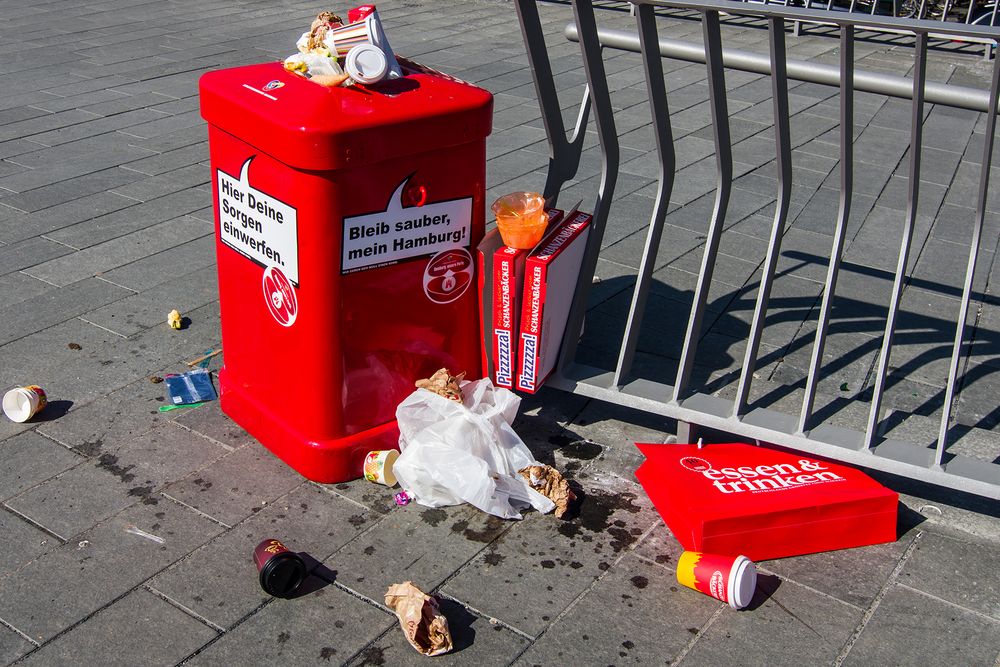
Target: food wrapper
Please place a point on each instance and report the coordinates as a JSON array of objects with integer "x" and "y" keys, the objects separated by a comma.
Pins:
[
  {"x": 550, "y": 483},
  {"x": 425, "y": 627},
  {"x": 444, "y": 384}
]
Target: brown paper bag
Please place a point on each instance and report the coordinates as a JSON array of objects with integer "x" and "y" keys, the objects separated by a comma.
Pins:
[{"x": 425, "y": 627}]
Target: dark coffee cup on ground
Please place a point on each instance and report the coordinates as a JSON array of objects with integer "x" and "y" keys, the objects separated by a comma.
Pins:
[{"x": 281, "y": 571}]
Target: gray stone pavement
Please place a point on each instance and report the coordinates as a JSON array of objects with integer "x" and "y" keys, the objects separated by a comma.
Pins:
[{"x": 106, "y": 224}]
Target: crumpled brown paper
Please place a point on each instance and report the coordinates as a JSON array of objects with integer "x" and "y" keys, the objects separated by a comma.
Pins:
[
  {"x": 425, "y": 627},
  {"x": 550, "y": 483},
  {"x": 444, "y": 384}
]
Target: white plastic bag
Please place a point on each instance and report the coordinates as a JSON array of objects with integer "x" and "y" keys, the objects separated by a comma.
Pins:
[{"x": 465, "y": 452}]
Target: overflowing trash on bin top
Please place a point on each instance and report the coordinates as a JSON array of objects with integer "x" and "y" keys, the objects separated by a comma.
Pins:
[{"x": 335, "y": 53}]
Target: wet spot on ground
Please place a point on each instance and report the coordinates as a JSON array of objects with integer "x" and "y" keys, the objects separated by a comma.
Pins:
[{"x": 433, "y": 517}]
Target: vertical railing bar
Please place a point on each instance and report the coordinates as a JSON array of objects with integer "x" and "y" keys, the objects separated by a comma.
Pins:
[
  {"x": 916, "y": 141},
  {"x": 970, "y": 271},
  {"x": 843, "y": 215},
  {"x": 649, "y": 45},
  {"x": 564, "y": 157},
  {"x": 597, "y": 82},
  {"x": 946, "y": 9},
  {"x": 783, "y": 148},
  {"x": 724, "y": 183}
]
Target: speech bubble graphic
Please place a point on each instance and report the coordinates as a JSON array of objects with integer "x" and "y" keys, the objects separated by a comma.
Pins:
[
  {"x": 402, "y": 232},
  {"x": 258, "y": 225}
]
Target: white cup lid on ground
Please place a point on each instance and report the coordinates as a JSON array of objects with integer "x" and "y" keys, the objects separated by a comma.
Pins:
[{"x": 742, "y": 582}]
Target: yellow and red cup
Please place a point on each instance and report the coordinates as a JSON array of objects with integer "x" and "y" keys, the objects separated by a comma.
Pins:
[
  {"x": 378, "y": 466},
  {"x": 732, "y": 579},
  {"x": 23, "y": 403}
]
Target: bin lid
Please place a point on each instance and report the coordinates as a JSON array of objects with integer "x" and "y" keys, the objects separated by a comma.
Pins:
[{"x": 308, "y": 126}]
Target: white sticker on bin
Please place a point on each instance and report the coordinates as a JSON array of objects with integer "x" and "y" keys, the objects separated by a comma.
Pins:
[
  {"x": 258, "y": 225},
  {"x": 397, "y": 233}
]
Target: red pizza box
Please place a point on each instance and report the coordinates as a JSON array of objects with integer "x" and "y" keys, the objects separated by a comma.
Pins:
[
  {"x": 501, "y": 281},
  {"x": 762, "y": 503},
  {"x": 551, "y": 272}
]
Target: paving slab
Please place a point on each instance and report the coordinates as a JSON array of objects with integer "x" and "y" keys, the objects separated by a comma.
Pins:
[
  {"x": 66, "y": 585},
  {"x": 116, "y": 478},
  {"x": 28, "y": 459},
  {"x": 475, "y": 639},
  {"x": 419, "y": 544},
  {"x": 327, "y": 625},
  {"x": 235, "y": 486},
  {"x": 636, "y": 613},
  {"x": 957, "y": 571},
  {"x": 157, "y": 634},
  {"x": 219, "y": 582},
  {"x": 785, "y": 624},
  {"x": 910, "y": 628},
  {"x": 13, "y": 645},
  {"x": 31, "y": 541},
  {"x": 546, "y": 563}
]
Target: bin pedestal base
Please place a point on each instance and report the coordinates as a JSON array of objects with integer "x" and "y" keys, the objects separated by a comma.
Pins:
[{"x": 321, "y": 460}]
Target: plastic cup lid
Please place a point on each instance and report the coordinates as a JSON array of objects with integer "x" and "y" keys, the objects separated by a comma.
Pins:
[
  {"x": 742, "y": 582},
  {"x": 366, "y": 63}
]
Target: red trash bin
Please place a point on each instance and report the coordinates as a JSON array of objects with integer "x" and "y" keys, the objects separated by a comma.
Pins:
[{"x": 344, "y": 223}]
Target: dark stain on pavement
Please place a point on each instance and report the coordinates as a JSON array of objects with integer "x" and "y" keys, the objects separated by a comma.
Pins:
[
  {"x": 434, "y": 517},
  {"x": 639, "y": 581},
  {"x": 582, "y": 450},
  {"x": 493, "y": 558},
  {"x": 494, "y": 525},
  {"x": 372, "y": 657},
  {"x": 327, "y": 652},
  {"x": 89, "y": 448},
  {"x": 110, "y": 463}
]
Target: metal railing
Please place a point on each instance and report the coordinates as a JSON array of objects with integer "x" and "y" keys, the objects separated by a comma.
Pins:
[{"x": 677, "y": 398}]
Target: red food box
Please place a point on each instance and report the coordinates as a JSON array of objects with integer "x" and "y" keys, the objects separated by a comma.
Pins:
[
  {"x": 551, "y": 272},
  {"x": 762, "y": 503},
  {"x": 501, "y": 281}
]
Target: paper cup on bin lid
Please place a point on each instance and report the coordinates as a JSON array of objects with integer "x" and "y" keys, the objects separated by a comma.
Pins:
[
  {"x": 378, "y": 466},
  {"x": 727, "y": 578},
  {"x": 281, "y": 571},
  {"x": 366, "y": 64},
  {"x": 23, "y": 403}
]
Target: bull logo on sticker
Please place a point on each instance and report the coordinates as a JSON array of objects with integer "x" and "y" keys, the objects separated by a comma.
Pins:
[
  {"x": 280, "y": 296},
  {"x": 448, "y": 275},
  {"x": 696, "y": 464},
  {"x": 273, "y": 84}
]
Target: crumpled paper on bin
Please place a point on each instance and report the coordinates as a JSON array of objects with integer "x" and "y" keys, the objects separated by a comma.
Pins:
[
  {"x": 425, "y": 627},
  {"x": 550, "y": 483}
]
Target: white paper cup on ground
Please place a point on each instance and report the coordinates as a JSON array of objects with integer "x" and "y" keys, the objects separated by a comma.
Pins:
[
  {"x": 378, "y": 466},
  {"x": 366, "y": 64},
  {"x": 22, "y": 403}
]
